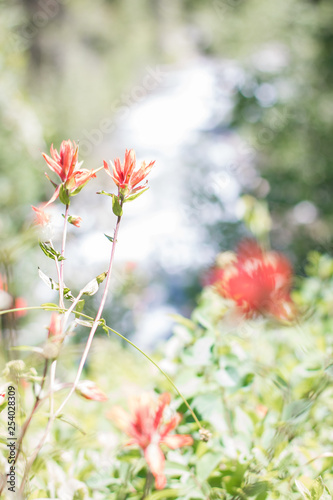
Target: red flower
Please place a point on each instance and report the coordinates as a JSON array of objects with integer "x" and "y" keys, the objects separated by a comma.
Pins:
[
  {"x": 147, "y": 428},
  {"x": 89, "y": 390},
  {"x": 65, "y": 165},
  {"x": 55, "y": 328},
  {"x": 41, "y": 217},
  {"x": 258, "y": 282},
  {"x": 2, "y": 397},
  {"x": 126, "y": 175},
  {"x": 19, "y": 303},
  {"x": 75, "y": 220},
  {"x": 7, "y": 301}
]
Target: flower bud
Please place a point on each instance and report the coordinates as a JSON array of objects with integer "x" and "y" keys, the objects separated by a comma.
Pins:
[
  {"x": 89, "y": 390},
  {"x": 205, "y": 435}
]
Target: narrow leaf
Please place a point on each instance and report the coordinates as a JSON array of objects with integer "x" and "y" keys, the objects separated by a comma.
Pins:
[
  {"x": 48, "y": 281},
  {"x": 63, "y": 195},
  {"x": 83, "y": 322},
  {"x": 110, "y": 238},
  {"x": 104, "y": 192},
  {"x": 50, "y": 252},
  {"x": 49, "y": 306},
  {"x": 131, "y": 198},
  {"x": 116, "y": 207},
  {"x": 71, "y": 422},
  {"x": 303, "y": 490}
]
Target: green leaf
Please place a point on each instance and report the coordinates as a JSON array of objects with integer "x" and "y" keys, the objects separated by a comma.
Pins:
[
  {"x": 317, "y": 488},
  {"x": 71, "y": 422},
  {"x": 3, "y": 406},
  {"x": 79, "y": 306},
  {"x": 297, "y": 409},
  {"x": 116, "y": 207},
  {"x": 49, "y": 306},
  {"x": 68, "y": 294},
  {"x": 48, "y": 281},
  {"x": 27, "y": 348},
  {"x": 110, "y": 238},
  {"x": 104, "y": 192},
  {"x": 64, "y": 195},
  {"x": 92, "y": 287},
  {"x": 101, "y": 277},
  {"x": 131, "y": 198},
  {"x": 51, "y": 252},
  {"x": 256, "y": 489},
  {"x": 83, "y": 322},
  {"x": 303, "y": 490},
  {"x": 207, "y": 464}
]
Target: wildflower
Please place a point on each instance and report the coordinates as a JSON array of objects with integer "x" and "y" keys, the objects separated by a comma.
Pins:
[
  {"x": 75, "y": 220},
  {"x": 89, "y": 390},
  {"x": 55, "y": 328},
  {"x": 41, "y": 217},
  {"x": 66, "y": 166},
  {"x": 258, "y": 282},
  {"x": 20, "y": 303},
  {"x": 147, "y": 429},
  {"x": 7, "y": 301},
  {"x": 126, "y": 176}
]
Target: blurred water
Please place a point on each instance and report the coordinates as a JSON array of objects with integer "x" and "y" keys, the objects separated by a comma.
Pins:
[{"x": 183, "y": 125}]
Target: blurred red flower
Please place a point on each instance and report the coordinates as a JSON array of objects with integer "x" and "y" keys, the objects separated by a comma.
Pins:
[
  {"x": 126, "y": 176},
  {"x": 66, "y": 166},
  {"x": 89, "y": 390},
  {"x": 55, "y": 328},
  {"x": 148, "y": 429},
  {"x": 41, "y": 217},
  {"x": 8, "y": 301},
  {"x": 2, "y": 397},
  {"x": 258, "y": 282}
]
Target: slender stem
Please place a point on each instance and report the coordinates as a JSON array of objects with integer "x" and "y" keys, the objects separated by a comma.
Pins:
[
  {"x": 95, "y": 323},
  {"x": 162, "y": 371},
  {"x": 60, "y": 273},
  {"x": 28, "y": 420},
  {"x": 148, "y": 483},
  {"x": 34, "y": 308},
  {"x": 61, "y": 276},
  {"x": 61, "y": 304}
]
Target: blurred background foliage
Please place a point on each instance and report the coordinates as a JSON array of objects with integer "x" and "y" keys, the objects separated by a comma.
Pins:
[{"x": 65, "y": 65}]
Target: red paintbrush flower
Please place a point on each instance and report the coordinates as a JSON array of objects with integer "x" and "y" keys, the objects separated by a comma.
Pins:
[
  {"x": 148, "y": 429},
  {"x": 41, "y": 217},
  {"x": 258, "y": 282},
  {"x": 55, "y": 333},
  {"x": 7, "y": 301},
  {"x": 126, "y": 176},
  {"x": 89, "y": 390},
  {"x": 66, "y": 166}
]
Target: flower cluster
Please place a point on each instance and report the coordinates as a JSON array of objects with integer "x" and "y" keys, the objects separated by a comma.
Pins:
[
  {"x": 258, "y": 282},
  {"x": 148, "y": 430},
  {"x": 65, "y": 165},
  {"x": 73, "y": 178},
  {"x": 127, "y": 176}
]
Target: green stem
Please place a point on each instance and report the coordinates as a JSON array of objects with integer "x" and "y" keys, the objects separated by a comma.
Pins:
[{"x": 148, "y": 483}]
